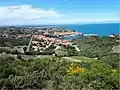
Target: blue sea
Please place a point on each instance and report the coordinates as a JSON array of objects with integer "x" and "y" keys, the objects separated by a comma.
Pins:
[{"x": 100, "y": 29}]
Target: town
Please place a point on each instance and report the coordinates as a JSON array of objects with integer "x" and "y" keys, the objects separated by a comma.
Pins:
[
  {"x": 34, "y": 42},
  {"x": 37, "y": 41}
]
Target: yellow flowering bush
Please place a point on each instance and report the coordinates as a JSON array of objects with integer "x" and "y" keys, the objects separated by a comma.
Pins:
[{"x": 75, "y": 69}]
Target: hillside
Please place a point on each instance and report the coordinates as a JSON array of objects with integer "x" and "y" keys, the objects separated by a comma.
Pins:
[
  {"x": 101, "y": 48},
  {"x": 95, "y": 67}
]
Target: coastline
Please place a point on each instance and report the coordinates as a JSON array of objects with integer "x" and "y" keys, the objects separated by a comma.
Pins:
[{"x": 101, "y": 29}]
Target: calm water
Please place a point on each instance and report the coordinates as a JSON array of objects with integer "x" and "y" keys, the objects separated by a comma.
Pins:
[{"x": 100, "y": 29}]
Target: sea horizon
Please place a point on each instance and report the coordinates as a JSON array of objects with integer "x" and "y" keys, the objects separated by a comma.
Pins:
[
  {"x": 61, "y": 24},
  {"x": 101, "y": 29}
]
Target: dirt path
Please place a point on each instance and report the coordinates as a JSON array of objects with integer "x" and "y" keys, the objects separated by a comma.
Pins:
[
  {"x": 71, "y": 59},
  {"x": 30, "y": 43}
]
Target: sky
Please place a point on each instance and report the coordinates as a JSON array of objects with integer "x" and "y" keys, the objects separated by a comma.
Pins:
[{"x": 36, "y": 12}]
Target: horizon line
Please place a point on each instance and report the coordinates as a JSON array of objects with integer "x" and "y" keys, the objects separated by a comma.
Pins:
[{"x": 62, "y": 24}]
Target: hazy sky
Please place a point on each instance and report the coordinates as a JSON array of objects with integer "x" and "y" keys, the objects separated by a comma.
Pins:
[{"x": 20, "y": 12}]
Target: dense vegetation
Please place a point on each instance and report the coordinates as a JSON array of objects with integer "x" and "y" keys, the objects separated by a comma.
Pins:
[
  {"x": 54, "y": 74},
  {"x": 100, "y": 48},
  {"x": 14, "y": 42}
]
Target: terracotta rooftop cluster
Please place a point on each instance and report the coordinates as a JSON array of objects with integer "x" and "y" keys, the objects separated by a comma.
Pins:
[{"x": 53, "y": 40}]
